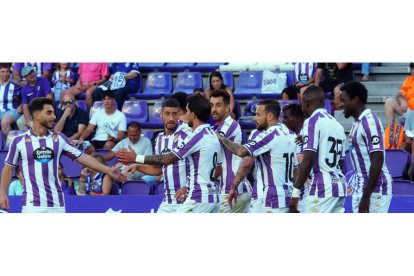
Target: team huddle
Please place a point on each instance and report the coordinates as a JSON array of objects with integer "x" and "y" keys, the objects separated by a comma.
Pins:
[{"x": 289, "y": 165}]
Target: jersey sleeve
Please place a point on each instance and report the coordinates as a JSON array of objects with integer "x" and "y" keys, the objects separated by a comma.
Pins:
[
  {"x": 310, "y": 135},
  {"x": 13, "y": 154},
  {"x": 69, "y": 149},
  {"x": 261, "y": 144},
  {"x": 373, "y": 134},
  {"x": 190, "y": 145}
]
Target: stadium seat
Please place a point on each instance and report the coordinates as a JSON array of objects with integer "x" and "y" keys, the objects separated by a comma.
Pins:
[
  {"x": 244, "y": 137},
  {"x": 97, "y": 106},
  {"x": 103, "y": 152},
  {"x": 135, "y": 111},
  {"x": 159, "y": 84},
  {"x": 228, "y": 79},
  {"x": 188, "y": 81},
  {"x": 396, "y": 161},
  {"x": 82, "y": 104},
  {"x": 176, "y": 66},
  {"x": 290, "y": 78},
  {"x": 147, "y": 133},
  {"x": 137, "y": 93},
  {"x": 115, "y": 189},
  {"x": 159, "y": 188},
  {"x": 10, "y": 137},
  {"x": 135, "y": 188},
  {"x": 233, "y": 66},
  {"x": 205, "y": 66},
  {"x": 249, "y": 85},
  {"x": 71, "y": 168},
  {"x": 237, "y": 109},
  {"x": 402, "y": 187},
  {"x": 150, "y": 66},
  {"x": 250, "y": 108},
  {"x": 155, "y": 120}
]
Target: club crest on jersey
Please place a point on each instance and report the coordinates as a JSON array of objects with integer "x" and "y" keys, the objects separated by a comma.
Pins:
[
  {"x": 11, "y": 90},
  {"x": 182, "y": 144},
  {"x": 54, "y": 138},
  {"x": 375, "y": 140},
  {"x": 43, "y": 154},
  {"x": 28, "y": 140}
]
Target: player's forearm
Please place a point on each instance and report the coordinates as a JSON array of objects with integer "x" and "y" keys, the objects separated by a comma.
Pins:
[
  {"x": 162, "y": 159},
  {"x": 237, "y": 149},
  {"x": 154, "y": 170},
  {"x": 303, "y": 172},
  {"x": 91, "y": 163},
  {"x": 6, "y": 177},
  {"x": 242, "y": 171},
  {"x": 377, "y": 159}
]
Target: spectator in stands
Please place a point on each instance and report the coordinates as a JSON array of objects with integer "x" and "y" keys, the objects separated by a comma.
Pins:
[
  {"x": 62, "y": 79},
  {"x": 123, "y": 81},
  {"x": 92, "y": 182},
  {"x": 109, "y": 122},
  {"x": 36, "y": 87},
  {"x": 91, "y": 75},
  {"x": 72, "y": 121},
  {"x": 41, "y": 69},
  {"x": 139, "y": 144},
  {"x": 304, "y": 76},
  {"x": 181, "y": 97},
  {"x": 216, "y": 82},
  {"x": 330, "y": 76},
  {"x": 198, "y": 91},
  {"x": 16, "y": 186},
  {"x": 65, "y": 182},
  {"x": 10, "y": 103},
  {"x": 403, "y": 101},
  {"x": 365, "y": 71}
]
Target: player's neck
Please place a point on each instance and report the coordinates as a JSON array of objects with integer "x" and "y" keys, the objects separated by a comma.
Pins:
[
  {"x": 220, "y": 122},
  {"x": 196, "y": 124},
  {"x": 169, "y": 132},
  {"x": 39, "y": 130},
  {"x": 359, "y": 111}
]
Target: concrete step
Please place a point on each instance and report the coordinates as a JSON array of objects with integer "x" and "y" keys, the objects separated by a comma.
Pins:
[
  {"x": 383, "y": 88},
  {"x": 389, "y": 70},
  {"x": 395, "y": 64}
]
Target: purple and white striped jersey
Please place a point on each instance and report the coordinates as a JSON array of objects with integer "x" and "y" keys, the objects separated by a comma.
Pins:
[
  {"x": 174, "y": 175},
  {"x": 275, "y": 150},
  {"x": 258, "y": 184},
  {"x": 203, "y": 150},
  {"x": 325, "y": 136},
  {"x": 304, "y": 71},
  {"x": 8, "y": 93},
  {"x": 38, "y": 158},
  {"x": 40, "y": 67},
  {"x": 367, "y": 136},
  {"x": 231, "y": 162}
]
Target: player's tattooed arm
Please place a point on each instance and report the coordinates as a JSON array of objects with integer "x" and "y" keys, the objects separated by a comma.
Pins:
[
  {"x": 237, "y": 149},
  {"x": 162, "y": 159},
  {"x": 242, "y": 171}
]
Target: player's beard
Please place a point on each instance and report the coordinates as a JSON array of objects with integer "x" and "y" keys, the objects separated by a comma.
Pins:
[
  {"x": 45, "y": 124},
  {"x": 262, "y": 127}
]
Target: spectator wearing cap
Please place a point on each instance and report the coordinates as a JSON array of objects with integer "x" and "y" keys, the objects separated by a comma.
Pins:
[
  {"x": 42, "y": 69},
  {"x": 404, "y": 100},
  {"x": 10, "y": 103},
  {"x": 91, "y": 75},
  {"x": 35, "y": 87},
  {"x": 72, "y": 121},
  {"x": 110, "y": 124}
]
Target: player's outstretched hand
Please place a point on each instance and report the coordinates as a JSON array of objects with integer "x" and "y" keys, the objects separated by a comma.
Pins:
[
  {"x": 117, "y": 175},
  {"x": 293, "y": 205},
  {"x": 4, "y": 201},
  {"x": 364, "y": 205},
  {"x": 232, "y": 195},
  {"x": 126, "y": 156},
  {"x": 181, "y": 194}
]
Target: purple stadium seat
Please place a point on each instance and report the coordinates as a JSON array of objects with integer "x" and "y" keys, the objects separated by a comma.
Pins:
[
  {"x": 10, "y": 137},
  {"x": 135, "y": 188},
  {"x": 136, "y": 111},
  {"x": 159, "y": 188},
  {"x": 159, "y": 84},
  {"x": 136, "y": 93},
  {"x": 290, "y": 78},
  {"x": 402, "y": 187},
  {"x": 250, "y": 108},
  {"x": 237, "y": 109},
  {"x": 96, "y": 106},
  {"x": 150, "y": 66},
  {"x": 155, "y": 120},
  {"x": 176, "y": 66},
  {"x": 82, "y": 104},
  {"x": 396, "y": 161},
  {"x": 188, "y": 81},
  {"x": 70, "y": 168},
  {"x": 228, "y": 79},
  {"x": 244, "y": 137},
  {"x": 249, "y": 85},
  {"x": 147, "y": 133},
  {"x": 115, "y": 189}
]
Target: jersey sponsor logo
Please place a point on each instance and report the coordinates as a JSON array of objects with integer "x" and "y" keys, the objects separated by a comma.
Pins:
[
  {"x": 375, "y": 140},
  {"x": 43, "y": 154},
  {"x": 165, "y": 151},
  {"x": 252, "y": 143},
  {"x": 305, "y": 139}
]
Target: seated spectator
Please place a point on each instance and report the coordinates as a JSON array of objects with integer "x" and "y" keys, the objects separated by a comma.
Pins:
[
  {"x": 216, "y": 82},
  {"x": 123, "y": 81},
  {"x": 42, "y": 70},
  {"x": 92, "y": 182},
  {"x": 65, "y": 182},
  {"x": 304, "y": 76},
  {"x": 62, "y": 79},
  {"x": 403, "y": 101},
  {"x": 16, "y": 186},
  {"x": 72, "y": 121},
  {"x": 35, "y": 87},
  {"x": 330, "y": 76},
  {"x": 10, "y": 103},
  {"x": 198, "y": 91},
  {"x": 109, "y": 122},
  {"x": 141, "y": 145},
  {"x": 91, "y": 75}
]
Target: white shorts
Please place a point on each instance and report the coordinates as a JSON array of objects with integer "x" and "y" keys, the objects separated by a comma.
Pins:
[
  {"x": 39, "y": 209},
  {"x": 313, "y": 204},
  {"x": 168, "y": 208},
  {"x": 378, "y": 203},
  {"x": 275, "y": 210},
  {"x": 242, "y": 205},
  {"x": 191, "y": 206},
  {"x": 256, "y": 206}
]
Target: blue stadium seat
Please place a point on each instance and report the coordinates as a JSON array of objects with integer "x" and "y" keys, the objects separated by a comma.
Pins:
[
  {"x": 290, "y": 78},
  {"x": 136, "y": 111},
  {"x": 150, "y": 66},
  {"x": 402, "y": 187},
  {"x": 250, "y": 108},
  {"x": 159, "y": 84},
  {"x": 135, "y": 188},
  {"x": 159, "y": 188},
  {"x": 147, "y": 133},
  {"x": 228, "y": 79},
  {"x": 82, "y": 104},
  {"x": 249, "y": 85},
  {"x": 176, "y": 66},
  {"x": 71, "y": 168},
  {"x": 396, "y": 161},
  {"x": 206, "y": 66},
  {"x": 237, "y": 109},
  {"x": 188, "y": 81},
  {"x": 244, "y": 137},
  {"x": 115, "y": 189},
  {"x": 155, "y": 120}
]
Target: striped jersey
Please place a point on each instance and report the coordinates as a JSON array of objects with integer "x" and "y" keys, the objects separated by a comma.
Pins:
[
  {"x": 275, "y": 150},
  {"x": 258, "y": 182},
  {"x": 126, "y": 68},
  {"x": 325, "y": 136},
  {"x": 174, "y": 175},
  {"x": 367, "y": 136},
  {"x": 40, "y": 67},
  {"x": 203, "y": 150},
  {"x": 304, "y": 71},
  {"x": 231, "y": 162},
  {"x": 38, "y": 158},
  {"x": 8, "y": 94}
]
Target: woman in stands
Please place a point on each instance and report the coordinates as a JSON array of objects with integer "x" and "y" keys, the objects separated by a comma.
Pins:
[
  {"x": 216, "y": 82},
  {"x": 92, "y": 182}
]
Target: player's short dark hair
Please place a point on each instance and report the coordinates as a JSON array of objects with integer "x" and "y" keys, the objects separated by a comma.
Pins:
[
  {"x": 108, "y": 93},
  {"x": 293, "y": 110},
  {"x": 200, "y": 105},
  {"x": 134, "y": 124},
  {"x": 353, "y": 89},
  {"x": 171, "y": 102},
  {"x": 181, "y": 97},
  {"x": 271, "y": 106},
  {"x": 37, "y": 104},
  {"x": 221, "y": 93}
]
